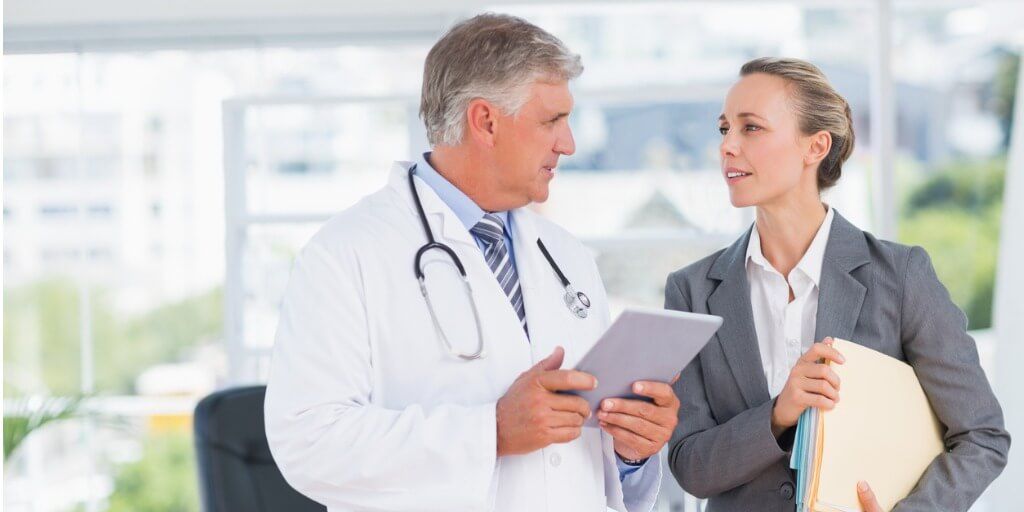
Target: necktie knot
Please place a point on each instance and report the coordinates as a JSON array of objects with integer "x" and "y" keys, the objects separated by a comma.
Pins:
[{"x": 489, "y": 230}]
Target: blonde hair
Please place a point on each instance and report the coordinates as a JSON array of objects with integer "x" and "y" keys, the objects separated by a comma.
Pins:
[{"x": 818, "y": 107}]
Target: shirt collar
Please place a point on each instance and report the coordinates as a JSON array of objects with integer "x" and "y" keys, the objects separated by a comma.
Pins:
[
  {"x": 754, "y": 254},
  {"x": 815, "y": 255},
  {"x": 468, "y": 212},
  {"x": 810, "y": 263}
]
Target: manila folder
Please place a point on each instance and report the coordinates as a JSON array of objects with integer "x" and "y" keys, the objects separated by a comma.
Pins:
[{"x": 882, "y": 431}]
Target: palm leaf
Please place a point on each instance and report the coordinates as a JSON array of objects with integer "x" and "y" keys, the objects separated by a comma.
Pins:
[{"x": 23, "y": 416}]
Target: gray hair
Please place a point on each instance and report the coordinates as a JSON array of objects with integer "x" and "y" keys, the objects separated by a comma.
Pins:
[{"x": 494, "y": 57}]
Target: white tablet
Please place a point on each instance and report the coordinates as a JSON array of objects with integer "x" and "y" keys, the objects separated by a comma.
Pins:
[{"x": 643, "y": 344}]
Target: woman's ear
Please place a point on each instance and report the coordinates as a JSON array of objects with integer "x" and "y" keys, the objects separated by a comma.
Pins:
[
  {"x": 482, "y": 121},
  {"x": 818, "y": 146}
]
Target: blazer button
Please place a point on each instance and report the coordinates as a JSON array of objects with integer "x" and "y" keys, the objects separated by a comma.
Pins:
[{"x": 786, "y": 491}]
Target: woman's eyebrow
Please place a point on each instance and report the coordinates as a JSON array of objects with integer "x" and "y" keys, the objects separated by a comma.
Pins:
[
  {"x": 750, "y": 114},
  {"x": 721, "y": 117}
]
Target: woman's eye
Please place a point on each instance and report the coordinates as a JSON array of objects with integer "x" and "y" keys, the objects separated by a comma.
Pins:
[
  {"x": 723, "y": 129},
  {"x": 753, "y": 128}
]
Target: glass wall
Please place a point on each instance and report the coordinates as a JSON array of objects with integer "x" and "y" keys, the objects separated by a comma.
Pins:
[{"x": 959, "y": 68}]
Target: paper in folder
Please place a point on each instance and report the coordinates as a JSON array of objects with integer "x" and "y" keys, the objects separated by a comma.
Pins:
[{"x": 882, "y": 431}]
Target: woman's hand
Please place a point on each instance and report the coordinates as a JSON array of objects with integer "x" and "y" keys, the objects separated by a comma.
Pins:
[
  {"x": 810, "y": 384},
  {"x": 868, "y": 502}
]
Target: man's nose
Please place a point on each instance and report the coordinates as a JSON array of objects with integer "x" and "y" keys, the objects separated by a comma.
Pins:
[{"x": 565, "y": 144}]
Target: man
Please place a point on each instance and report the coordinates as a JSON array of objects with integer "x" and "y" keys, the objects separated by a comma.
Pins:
[{"x": 396, "y": 384}]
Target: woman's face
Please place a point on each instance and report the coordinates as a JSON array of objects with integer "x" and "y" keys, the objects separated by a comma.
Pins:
[{"x": 764, "y": 154}]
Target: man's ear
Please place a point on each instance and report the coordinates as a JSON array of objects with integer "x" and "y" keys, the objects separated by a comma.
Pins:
[
  {"x": 482, "y": 121},
  {"x": 819, "y": 144}
]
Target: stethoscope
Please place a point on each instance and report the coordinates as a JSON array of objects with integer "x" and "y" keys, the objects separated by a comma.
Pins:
[{"x": 577, "y": 302}]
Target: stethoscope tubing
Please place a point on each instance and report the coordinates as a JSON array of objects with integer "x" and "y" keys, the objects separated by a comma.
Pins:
[{"x": 571, "y": 296}]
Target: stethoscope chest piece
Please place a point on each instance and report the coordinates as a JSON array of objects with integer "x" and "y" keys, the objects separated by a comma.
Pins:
[{"x": 577, "y": 302}]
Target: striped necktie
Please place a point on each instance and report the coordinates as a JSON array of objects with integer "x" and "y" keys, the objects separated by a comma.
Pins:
[{"x": 491, "y": 231}]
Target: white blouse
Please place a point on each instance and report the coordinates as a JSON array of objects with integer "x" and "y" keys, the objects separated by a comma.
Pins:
[{"x": 785, "y": 330}]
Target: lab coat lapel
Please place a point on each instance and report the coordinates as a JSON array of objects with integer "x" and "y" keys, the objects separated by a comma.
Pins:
[
  {"x": 531, "y": 267},
  {"x": 502, "y": 322},
  {"x": 550, "y": 321},
  {"x": 445, "y": 225}
]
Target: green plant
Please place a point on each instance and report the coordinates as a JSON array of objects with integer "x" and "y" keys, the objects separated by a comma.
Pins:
[
  {"x": 163, "y": 479},
  {"x": 42, "y": 346},
  {"x": 954, "y": 214},
  {"x": 28, "y": 414},
  {"x": 963, "y": 248},
  {"x": 968, "y": 186}
]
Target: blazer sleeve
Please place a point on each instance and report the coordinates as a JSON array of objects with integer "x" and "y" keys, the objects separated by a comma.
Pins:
[
  {"x": 707, "y": 457},
  {"x": 945, "y": 358}
]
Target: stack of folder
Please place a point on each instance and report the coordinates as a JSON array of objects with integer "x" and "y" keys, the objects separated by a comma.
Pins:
[{"x": 882, "y": 431}]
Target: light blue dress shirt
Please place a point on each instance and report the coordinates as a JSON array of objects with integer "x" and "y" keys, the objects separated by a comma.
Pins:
[
  {"x": 470, "y": 213},
  {"x": 465, "y": 209}
]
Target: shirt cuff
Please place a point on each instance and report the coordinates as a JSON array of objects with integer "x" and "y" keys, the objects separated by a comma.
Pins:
[{"x": 626, "y": 469}]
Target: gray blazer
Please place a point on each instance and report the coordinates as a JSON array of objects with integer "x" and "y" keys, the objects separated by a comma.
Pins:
[{"x": 879, "y": 294}]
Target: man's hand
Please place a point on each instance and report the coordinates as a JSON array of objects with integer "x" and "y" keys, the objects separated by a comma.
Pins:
[
  {"x": 810, "y": 384},
  {"x": 640, "y": 428},
  {"x": 532, "y": 415},
  {"x": 868, "y": 502}
]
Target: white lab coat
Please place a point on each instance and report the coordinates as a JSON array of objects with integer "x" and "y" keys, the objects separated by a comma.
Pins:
[{"x": 366, "y": 409}]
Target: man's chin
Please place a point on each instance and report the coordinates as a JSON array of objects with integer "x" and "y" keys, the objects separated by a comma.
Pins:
[{"x": 539, "y": 196}]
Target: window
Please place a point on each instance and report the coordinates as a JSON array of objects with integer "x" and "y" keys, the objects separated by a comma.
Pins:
[
  {"x": 100, "y": 210},
  {"x": 57, "y": 211},
  {"x": 119, "y": 284},
  {"x": 953, "y": 142},
  {"x": 645, "y": 125}
]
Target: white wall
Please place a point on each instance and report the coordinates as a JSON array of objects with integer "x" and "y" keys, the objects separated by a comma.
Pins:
[
  {"x": 1009, "y": 311},
  {"x": 70, "y": 25},
  {"x": 22, "y": 13}
]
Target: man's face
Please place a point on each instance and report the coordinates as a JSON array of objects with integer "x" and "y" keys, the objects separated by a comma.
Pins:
[{"x": 527, "y": 145}]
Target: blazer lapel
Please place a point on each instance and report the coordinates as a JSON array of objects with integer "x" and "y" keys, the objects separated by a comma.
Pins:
[
  {"x": 737, "y": 336},
  {"x": 840, "y": 294}
]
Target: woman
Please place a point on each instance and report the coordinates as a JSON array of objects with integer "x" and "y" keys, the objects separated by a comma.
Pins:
[{"x": 801, "y": 274}]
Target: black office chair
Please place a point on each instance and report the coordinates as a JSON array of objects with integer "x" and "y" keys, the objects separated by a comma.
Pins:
[{"x": 236, "y": 470}]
